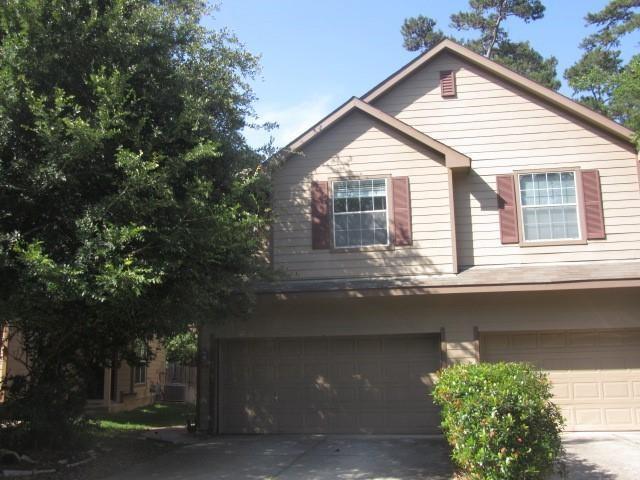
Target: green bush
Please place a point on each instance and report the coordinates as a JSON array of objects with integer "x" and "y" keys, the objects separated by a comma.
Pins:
[{"x": 499, "y": 420}]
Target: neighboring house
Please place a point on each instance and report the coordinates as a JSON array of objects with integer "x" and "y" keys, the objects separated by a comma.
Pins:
[
  {"x": 122, "y": 388},
  {"x": 457, "y": 212}
]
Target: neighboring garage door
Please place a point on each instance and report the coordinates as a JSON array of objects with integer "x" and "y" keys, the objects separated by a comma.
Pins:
[
  {"x": 595, "y": 374},
  {"x": 365, "y": 384}
]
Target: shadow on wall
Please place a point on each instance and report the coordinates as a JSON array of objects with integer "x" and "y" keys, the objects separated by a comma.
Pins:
[
  {"x": 469, "y": 187},
  {"x": 292, "y": 207}
]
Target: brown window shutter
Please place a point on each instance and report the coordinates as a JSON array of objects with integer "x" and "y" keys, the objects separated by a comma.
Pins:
[
  {"x": 592, "y": 197},
  {"x": 401, "y": 212},
  {"x": 448, "y": 83},
  {"x": 507, "y": 209},
  {"x": 320, "y": 226}
]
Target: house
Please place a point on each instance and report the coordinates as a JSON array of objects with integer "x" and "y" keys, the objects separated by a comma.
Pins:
[
  {"x": 456, "y": 212},
  {"x": 113, "y": 389}
]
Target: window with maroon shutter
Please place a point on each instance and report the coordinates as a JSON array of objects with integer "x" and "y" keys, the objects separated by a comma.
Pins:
[
  {"x": 448, "y": 83},
  {"x": 320, "y": 224},
  {"x": 593, "y": 212},
  {"x": 507, "y": 209},
  {"x": 402, "y": 211}
]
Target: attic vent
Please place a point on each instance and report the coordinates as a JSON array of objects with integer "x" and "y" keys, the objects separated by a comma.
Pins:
[{"x": 448, "y": 84}]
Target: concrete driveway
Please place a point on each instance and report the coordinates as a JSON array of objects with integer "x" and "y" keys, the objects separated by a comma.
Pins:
[
  {"x": 601, "y": 456},
  {"x": 311, "y": 457},
  {"x": 590, "y": 456}
]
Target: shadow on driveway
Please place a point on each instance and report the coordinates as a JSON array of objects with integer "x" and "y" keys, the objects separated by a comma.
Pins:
[{"x": 308, "y": 457}]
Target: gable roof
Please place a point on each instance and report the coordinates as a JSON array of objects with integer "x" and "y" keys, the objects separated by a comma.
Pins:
[
  {"x": 584, "y": 113},
  {"x": 453, "y": 158}
]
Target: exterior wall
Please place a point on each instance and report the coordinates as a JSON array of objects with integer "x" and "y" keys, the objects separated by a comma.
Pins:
[
  {"x": 143, "y": 394},
  {"x": 360, "y": 146},
  {"x": 502, "y": 130},
  {"x": 11, "y": 357}
]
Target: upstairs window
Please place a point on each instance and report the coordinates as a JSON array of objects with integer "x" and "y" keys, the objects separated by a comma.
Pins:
[
  {"x": 549, "y": 206},
  {"x": 360, "y": 216}
]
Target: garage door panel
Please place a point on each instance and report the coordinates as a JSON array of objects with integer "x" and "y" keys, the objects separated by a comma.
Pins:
[
  {"x": 595, "y": 375},
  {"x": 332, "y": 384}
]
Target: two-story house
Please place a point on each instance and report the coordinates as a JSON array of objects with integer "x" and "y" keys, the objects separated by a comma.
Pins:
[{"x": 456, "y": 212}]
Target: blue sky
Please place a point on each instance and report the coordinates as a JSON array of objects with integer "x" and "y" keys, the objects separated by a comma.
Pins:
[{"x": 315, "y": 54}]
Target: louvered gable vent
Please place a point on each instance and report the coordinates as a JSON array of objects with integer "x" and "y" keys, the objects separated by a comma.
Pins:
[{"x": 448, "y": 84}]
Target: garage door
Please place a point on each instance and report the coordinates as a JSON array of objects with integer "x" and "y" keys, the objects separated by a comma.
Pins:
[
  {"x": 595, "y": 374},
  {"x": 361, "y": 384}
]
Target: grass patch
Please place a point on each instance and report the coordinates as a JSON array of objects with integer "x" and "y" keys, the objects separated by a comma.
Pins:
[{"x": 144, "y": 418}]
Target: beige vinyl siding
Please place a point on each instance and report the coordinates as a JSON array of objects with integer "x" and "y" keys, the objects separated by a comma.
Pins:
[
  {"x": 359, "y": 146},
  {"x": 502, "y": 130}
]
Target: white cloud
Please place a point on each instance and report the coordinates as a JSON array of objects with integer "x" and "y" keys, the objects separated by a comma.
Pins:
[{"x": 292, "y": 120}]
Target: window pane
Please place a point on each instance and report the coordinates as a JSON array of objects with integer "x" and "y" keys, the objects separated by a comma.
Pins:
[
  {"x": 380, "y": 203},
  {"x": 355, "y": 238},
  {"x": 380, "y": 220},
  {"x": 353, "y": 221},
  {"x": 340, "y": 189},
  {"x": 571, "y": 219},
  {"x": 366, "y": 204},
  {"x": 381, "y": 236},
  {"x": 568, "y": 179},
  {"x": 353, "y": 204},
  {"x": 341, "y": 222},
  {"x": 527, "y": 196},
  {"x": 553, "y": 179},
  {"x": 543, "y": 218},
  {"x": 380, "y": 188},
  {"x": 569, "y": 195},
  {"x": 341, "y": 238},
  {"x": 367, "y": 221},
  {"x": 339, "y": 205},
  {"x": 367, "y": 237},
  {"x": 530, "y": 227},
  {"x": 366, "y": 188},
  {"x": 353, "y": 189}
]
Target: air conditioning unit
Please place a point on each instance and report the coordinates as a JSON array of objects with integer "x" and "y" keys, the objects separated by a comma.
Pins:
[{"x": 175, "y": 392}]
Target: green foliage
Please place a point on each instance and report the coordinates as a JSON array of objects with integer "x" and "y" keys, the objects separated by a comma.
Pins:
[
  {"x": 625, "y": 100},
  {"x": 130, "y": 204},
  {"x": 182, "y": 348},
  {"x": 419, "y": 33},
  {"x": 499, "y": 420},
  {"x": 594, "y": 77},
  {"x": 599, "y": 79},
  {"x": 616, "y": 19},
  {"x": 487, "y": 17}
]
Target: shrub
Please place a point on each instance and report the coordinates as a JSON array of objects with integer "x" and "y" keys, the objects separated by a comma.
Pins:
[{"x": 499, "y": 420}]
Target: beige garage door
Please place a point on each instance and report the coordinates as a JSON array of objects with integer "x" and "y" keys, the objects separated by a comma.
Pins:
[
  {"x": 362, "y": 384},
  {"x": 595, "y": 374}
]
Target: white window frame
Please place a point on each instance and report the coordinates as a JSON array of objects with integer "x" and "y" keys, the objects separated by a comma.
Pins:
[
  {"x": 578, "y": 204},
  {"x": 387, "y": 211}
]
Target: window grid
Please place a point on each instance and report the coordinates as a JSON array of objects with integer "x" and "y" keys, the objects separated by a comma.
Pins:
[
  {"x": 360, "y": 215},
  {"x": 549, "y": 206}
]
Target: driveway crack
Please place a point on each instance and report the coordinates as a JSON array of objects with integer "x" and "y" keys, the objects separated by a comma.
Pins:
[{"x": 298, "y": 458}]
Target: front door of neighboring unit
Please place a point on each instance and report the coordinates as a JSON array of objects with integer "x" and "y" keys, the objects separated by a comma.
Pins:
[
  {"x": 361, "y": 384},
  {"x": 95, "y": 384},
  {"x": 595, "y": 374}
]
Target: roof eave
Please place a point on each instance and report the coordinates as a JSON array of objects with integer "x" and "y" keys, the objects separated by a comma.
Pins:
[
  {"x": 453, "y": 158},
  {"x": 584, "y": 113}
]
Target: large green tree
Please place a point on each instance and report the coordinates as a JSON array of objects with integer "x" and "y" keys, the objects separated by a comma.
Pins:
[
  {"x": 599, "y": 78},
  {"x": 487, "y": 18},
  {"x": 130, "y": 204}
]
